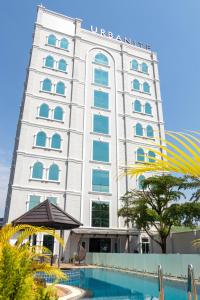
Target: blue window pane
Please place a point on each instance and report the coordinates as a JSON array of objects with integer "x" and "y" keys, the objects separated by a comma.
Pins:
[
  {"x": 53, "y": 200},
  {"x": 134, "y": 65},
  {"x": 100, "y": 151},
  {"x": 100, "y": 124},
  {"x": 136, "y": 85},
  {"x": 141, "y": 178},
  {"x": 62, "y": 66},
  {"x": 144, "y": 68},
  {"x": 56, "y": 141},
  {"x": 54, "y": 172},
  {"x": 33, "y": 201},
  {"x": 49, "y": 62},
  {"x": 149, "y": 131},
  {"x": 140, "y": 155},
  {"x": 146, "y": 87},
  {"x": 44, "y": 111},
  {"x": 148, "y": 109},
  {"x": 100, "y": 181},
  {"x": 137, "y": 106},
  {"x": 46, "y": 86},
  {"x": 101, "y": 99},
  {"x": 37, "y": 171},
  {"x": 41, "y": 139},
  {"x": 58, "y": 113},
  {"x": 52, "y": 40},
  {"x": 60, "y": 88},
  {"x": 101, "y": 59},
  {"x": 151, "y": 156},
  {"x": 64, "y": 44},
  {"x": 139, "y": 129},
  {"x": 101, "y": 77}
]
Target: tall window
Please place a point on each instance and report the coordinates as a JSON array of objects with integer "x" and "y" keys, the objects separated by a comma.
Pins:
[
  {"x": 54, "y": 172},
  {"x": 46, "y": 86},
  {"x": 101, "y": 59},
  {"x": 41, "y": 139},
  {"x": 100, "y": 124},
  {"x": 52, "y": 40},
  {"x": 64, "y": 44},
  {"x": 140, "y": 155},
  {"x": 62, "y": 65},
  {"x": 137, "y": 106},
  {"x": 147, "y": 109},
  {"x": 101, "y": 151},
  {"x": 60, "y": 88},
  {"x": 144, "y": 68},
  {"x": 151, "y": 156},
  {"x": 56, "y": 141},
  {"x": 101, "y": 99},
  {"x": 101, "y": 77},
  {"x": 149, "y": 131},
  {"x": 146, "y": 87},
  {"x": 44, "y": 111},
  {"x": 100, "y": 214},
  {"x": 100, "y": 181},
  {"x": 58, "y": 113},
  {"x": 49, "y": 62},
  {"x": 136, "y": 85},
  {"x": 140, "y": 180},
  {"x": 33, "y": 201},
  {"x": 37, "y": 171},
  {"x": 138, "y": 129},
  {"x": 134, "y": 65}
]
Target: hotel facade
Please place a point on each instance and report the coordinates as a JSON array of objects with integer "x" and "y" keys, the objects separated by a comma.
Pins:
[{"x": 91, "y": 106}]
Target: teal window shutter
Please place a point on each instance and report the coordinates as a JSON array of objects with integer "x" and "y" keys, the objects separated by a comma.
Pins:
[
  {"x": 41, "y": 139},
  {"x": 100, "y": 214},
  {"x": 146, "y": 87},
  {"x": 100, "y": 124},
  {"x": 141, "y": 178},
  {"x": 140, "y": 155},
  {"x": 62, "y": 66},
  {"x": 54, "y": 172},
  {"x": 56, "y": 141},
  {"x": 60, "y": 88},
  {"x": 52, "y": 40},
  {"x": 136, "y": 85},
  {"x": 101, "y": 77},
  {"x": 46, "y": 86},
  {"x": 33, "y": 201},
  {"x": 147, "y": 109},
  {"x": 58, "y": 113},
  {"x": 37, "y": 172},
  {"x": 100, "y": 181},
  {"x": 64, "y": 44},
  {"x": 151, "y": 156},
  {"x": 149, "y": 131},
  {"x": 138, "y": 129},
  {"x": 134, "y": 65},
  {"x": 101, "y": 151},
  {"x": 137, "y": 106},
  {"x": 44, "y": 111},
  {"x": 101, "y": 59},
  {"x": 144, "y": 68},
  {"x": 101, "y": 99},
  {"x": 49, "y": 62}
]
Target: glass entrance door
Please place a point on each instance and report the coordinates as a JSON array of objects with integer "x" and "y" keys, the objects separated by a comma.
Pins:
[{"x": 100, "y": 245}]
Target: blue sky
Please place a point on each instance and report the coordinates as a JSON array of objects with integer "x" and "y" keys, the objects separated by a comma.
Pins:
[{"x": 172, "y": 27}]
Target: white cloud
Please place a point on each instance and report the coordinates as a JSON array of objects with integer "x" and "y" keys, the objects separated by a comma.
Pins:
[{"x": 4, "y": 177}]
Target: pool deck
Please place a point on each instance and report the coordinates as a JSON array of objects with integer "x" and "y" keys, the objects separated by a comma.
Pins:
[{"x": 77, "y": 266}]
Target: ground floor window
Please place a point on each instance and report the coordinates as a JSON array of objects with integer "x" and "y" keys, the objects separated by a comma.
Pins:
[
  {"x": 100, "y": 214},
  {"x": 100, "y": 245},
  {"x": 145, "y": 245},
  {"x": 48, "y": 242}
]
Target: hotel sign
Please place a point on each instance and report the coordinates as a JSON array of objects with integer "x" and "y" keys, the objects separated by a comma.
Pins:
[{"x": 126, "y": 40}]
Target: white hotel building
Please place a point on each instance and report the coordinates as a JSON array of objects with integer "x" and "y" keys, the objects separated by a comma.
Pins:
[{"x": 91, "y": 105}]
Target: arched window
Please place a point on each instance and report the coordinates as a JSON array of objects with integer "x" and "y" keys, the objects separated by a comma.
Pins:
[
  {"x": 54, "y": 172},
  {"x": 140, "y": 180},
  {"x": 146, "y": 87},
  {"x": 134, "y": 65},
  {"x": 140, "y": 155},
  {"x": 37, "y": 171},
  {"x": 138, "y": 129},
  {"x": 62, "y": 66},
  {"x": 41, "y": 139},
  {"x": 144, "y": 68},
  {"x": 56, "y": 141},
  {"x": 46, "y": 86},
  {"x": 44, "y": 111},
  {"x": 49, "y": 62},
  {"x": 64, "y": 44},
  {"x": 52, "y": 40},
  {"x": 136, "y": 85},
  {"x": 60, "y": 88},
  {"x": 147, "y": 109},
  {"x": 149, "y": 131},
  {"x": 137, "y": 106},
  {"x": 58, "y": 113},
  {"x": 151, "y": 156},
  {"x": 100, "y": 58}
]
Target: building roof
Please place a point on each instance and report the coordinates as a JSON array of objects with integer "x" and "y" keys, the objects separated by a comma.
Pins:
[
  {"x": 49, "y": 215},
  {"x": 106, "y": 231}
]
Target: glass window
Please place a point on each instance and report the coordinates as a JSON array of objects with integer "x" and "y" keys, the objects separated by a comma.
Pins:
[
  {"x": 139, "y": 129},
  {"x": 46, "y": 86},
  {"x": 101, "y": 99},
  {"x": 136, "y": 85},
  {"x": 140, "y": 155},
  {"x": 101, "y": 151},
  {"x": 62, "y": 65},
  {"x": 37, "y": 171},
  {"x": 137, "y": 106},
  {"x": 151, "y": 156},
  {"x": 56, "y": 141},
  {"x": 100, "y": 124},
  {"x": 52, "y": 40},
  {"x": 134, "y": 65},
  {"x": 58, "y": 113},
  {"x": 49, "y": 62},
  {"x": 53, "y": 200},
  {"x": 64, "y": 44},
  {"x": 149, "y": 131},
  {"x": 101, "y": 77},
  {"x": 146, "y": 87},
  {"x": 44, "y": 111},
  {"x": 60, "y": 88},
  {"x": 100, "y": 181},
  {"x": 54, "y": 172},
  {"x": 141, "y": 178},
  {"x": 100, "y": 214},
  {"x": 147, "y": 109},
  {"x": 33, "y": 201},
  {"x": 144, "y": 68},
  {"x": 101, "y": 59},
  {"x": 41, "y": 139}
]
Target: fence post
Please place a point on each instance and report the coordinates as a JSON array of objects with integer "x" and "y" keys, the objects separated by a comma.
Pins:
[{"x": 160, "y": 283}]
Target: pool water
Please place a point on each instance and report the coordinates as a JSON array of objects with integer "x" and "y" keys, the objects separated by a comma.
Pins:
[{"x": 106, "y": 284}]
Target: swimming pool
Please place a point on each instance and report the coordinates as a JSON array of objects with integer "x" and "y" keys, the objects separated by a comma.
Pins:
[{"x": 106, "y": 284}]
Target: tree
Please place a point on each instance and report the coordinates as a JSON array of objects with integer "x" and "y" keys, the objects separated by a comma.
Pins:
[{"x": 156, "y": 207}]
